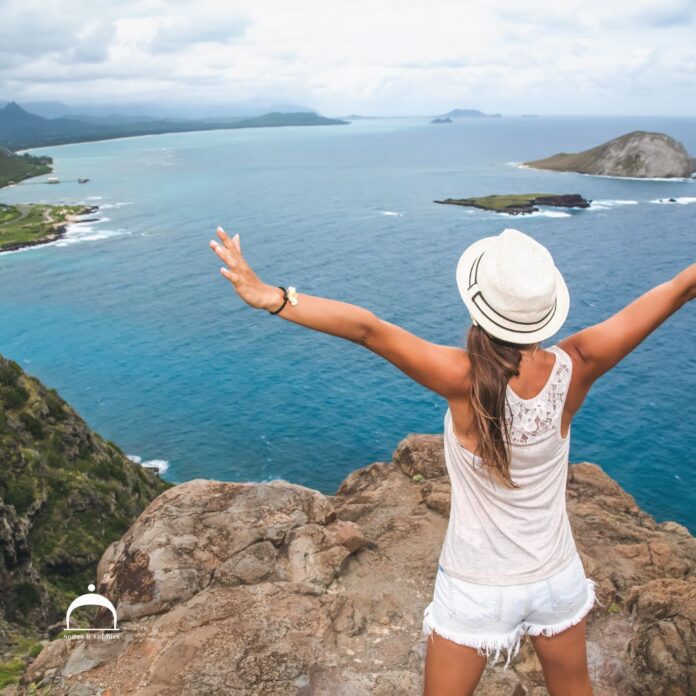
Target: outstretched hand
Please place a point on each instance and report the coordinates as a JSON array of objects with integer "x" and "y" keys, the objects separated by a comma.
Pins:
[{"x": 248, "y": 285}]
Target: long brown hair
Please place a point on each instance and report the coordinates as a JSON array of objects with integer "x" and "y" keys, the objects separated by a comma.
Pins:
[{"x": 493, "y": 362}]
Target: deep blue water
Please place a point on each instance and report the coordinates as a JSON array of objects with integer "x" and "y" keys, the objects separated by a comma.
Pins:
[{"x": 131, "y": 321}]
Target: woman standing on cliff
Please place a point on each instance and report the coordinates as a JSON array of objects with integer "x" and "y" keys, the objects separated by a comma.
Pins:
[{"x": 508, "y": 565}]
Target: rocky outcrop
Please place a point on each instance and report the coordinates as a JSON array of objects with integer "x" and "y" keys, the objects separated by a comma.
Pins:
[
  {"x": 273, "y": 588},
  {"x": 520, "y": 203},
  {"x": 637, "y": 154}
]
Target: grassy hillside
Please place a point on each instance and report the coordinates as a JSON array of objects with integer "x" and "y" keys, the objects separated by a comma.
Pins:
[
  {"x": 14, "y": 168},
  {"x": 520, "y": 203},
  {"x": 65, "y": 495}
]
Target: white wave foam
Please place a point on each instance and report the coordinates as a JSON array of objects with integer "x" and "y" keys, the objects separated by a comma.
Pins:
[
  {"x": 682, "y": 200},
  {"x": 84, "y": 232},
  {"x": 120, "y": 204},
  {"x": 160, "y": 464},
  {"x": 94, "y": 198},
  {"x": 609, "y": 203},
  {"x": 548, "y": 213},
  {"x": 75, "y": 233},
  {"x": 392, "y": 213},
  {"x": 678, "y": 179}
]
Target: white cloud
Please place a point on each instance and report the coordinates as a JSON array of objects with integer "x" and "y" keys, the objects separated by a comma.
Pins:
[{"x": 376, "y": 56}]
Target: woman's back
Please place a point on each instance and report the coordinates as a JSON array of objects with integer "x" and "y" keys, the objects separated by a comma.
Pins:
[{"x": 499, "y": 535}]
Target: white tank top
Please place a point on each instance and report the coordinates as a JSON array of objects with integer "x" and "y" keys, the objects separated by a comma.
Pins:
[{"x": 501, "y": 536}]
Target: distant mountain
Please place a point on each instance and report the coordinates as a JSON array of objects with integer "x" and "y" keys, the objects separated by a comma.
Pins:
[
  {"x": 280, "y": 119},
  {"x": 47, "y": 109},
  {"x": 468, "y": 113},
  {"x": 636, "y": 154},
  {"x": 20, "y": 129},
  {"x": 159, "y": 110},
  {"x": 110, "y": 120}
]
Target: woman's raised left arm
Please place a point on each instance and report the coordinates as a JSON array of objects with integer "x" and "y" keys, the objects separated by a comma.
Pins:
[{"x": 443, "y": 369}]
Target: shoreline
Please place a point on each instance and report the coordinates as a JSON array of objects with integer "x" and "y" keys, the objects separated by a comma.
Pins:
[
  {"x": 671, "y": 179},
  {"x": 177, "y": 132},
  {"x": 57, "y": 230}
]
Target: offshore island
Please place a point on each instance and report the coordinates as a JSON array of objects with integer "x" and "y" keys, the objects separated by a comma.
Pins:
[
  {"x": 638, "y": 154},
  {"x": 520, "y": 203}
]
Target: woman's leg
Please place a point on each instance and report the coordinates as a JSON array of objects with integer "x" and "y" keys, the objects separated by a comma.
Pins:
[
  {"x": 451, "y": 669},
  {"x": 563, "y": 658}
]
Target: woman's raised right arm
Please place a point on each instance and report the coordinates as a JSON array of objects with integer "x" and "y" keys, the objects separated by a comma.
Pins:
[{"x": 600, "y": 347}]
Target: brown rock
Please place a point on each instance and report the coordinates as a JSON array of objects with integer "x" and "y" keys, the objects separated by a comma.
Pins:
[
  {"x": 662, "y": 652},
  {"x": 421, "y": 454},
  {"x": 265, "y": 589}
]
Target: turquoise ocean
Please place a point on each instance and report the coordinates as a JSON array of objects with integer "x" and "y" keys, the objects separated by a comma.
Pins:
[{"x": 130, "y": 320}]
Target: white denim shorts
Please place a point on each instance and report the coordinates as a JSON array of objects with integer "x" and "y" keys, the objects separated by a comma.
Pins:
[{"x": 496, "y": 617}]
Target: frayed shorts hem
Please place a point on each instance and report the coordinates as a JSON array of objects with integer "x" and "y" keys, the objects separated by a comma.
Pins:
[
  {"x": 484, "y": 645},
  {"x": 510, "y": 642}
]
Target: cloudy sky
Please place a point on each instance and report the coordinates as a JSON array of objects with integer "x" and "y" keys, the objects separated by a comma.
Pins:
[{"x": 357, "y": 56}]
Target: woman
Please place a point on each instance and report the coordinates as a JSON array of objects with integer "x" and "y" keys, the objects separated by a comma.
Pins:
[{"x": 508, "y": 565}]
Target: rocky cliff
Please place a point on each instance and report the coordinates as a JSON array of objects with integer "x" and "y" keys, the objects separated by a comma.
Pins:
[
  {"x": 270, "y": 589},
  {"x": 636, "y": 154},
  {"x": 65, "y": 495}
]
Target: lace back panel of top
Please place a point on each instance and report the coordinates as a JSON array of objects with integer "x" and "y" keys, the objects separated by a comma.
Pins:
[
  {"x": 504, "y": 536},
  {"x": 529, "y": 419}
]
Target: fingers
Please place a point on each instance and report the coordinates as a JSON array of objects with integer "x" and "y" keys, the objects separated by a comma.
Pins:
[
  {"x": 223, "y": 252},
  {"x": 230, "y": 252},
  {"x": 230, "y": 243},
  {"x": 230, "y": 275}
]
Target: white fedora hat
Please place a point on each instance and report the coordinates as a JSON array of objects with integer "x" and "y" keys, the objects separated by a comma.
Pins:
[{"x": 512, "y": 287}]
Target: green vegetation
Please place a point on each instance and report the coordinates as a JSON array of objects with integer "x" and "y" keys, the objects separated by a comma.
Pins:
[
  {"x": 10, "y": 671},
  {"x": 14, "y": 168},
  {"x": 65, "y": 495},
  {"x": 520, "y": 203},
  {"x": 24, "y": 225},
  {"x": 15, "y": 661}
]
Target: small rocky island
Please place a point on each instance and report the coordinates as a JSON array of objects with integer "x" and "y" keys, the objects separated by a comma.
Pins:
[
  {"x": 441, "y": 119},
  {"x": 638, "y": 154},
  {"x": 520, "y": 203}
]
